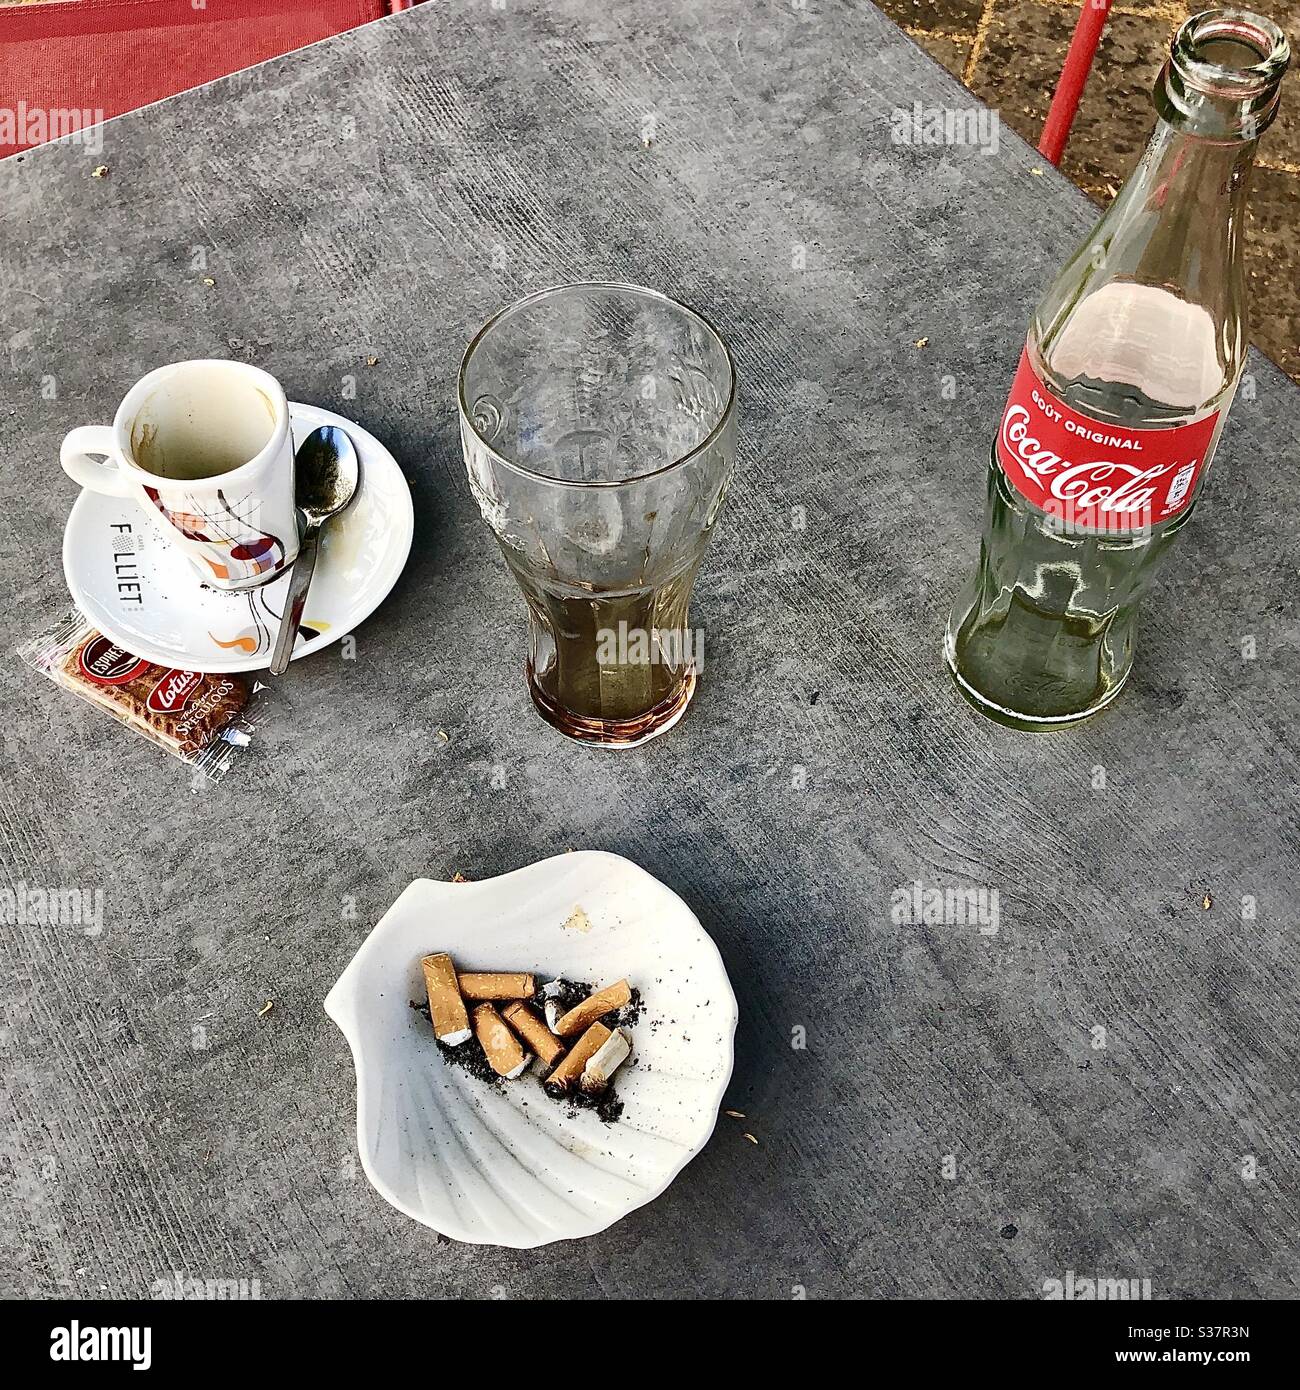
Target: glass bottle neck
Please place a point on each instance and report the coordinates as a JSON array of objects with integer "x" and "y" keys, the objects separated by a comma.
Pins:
[
  {"x": 1181, "y": 213},
  {"x": 1223, "y": 77}
]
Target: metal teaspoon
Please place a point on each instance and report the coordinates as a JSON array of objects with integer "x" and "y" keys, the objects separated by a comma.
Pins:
[{"x": 325, "y": 478}]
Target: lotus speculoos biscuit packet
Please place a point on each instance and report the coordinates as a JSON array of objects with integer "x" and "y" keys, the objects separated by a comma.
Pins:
[{"x": 204, "y": 719}]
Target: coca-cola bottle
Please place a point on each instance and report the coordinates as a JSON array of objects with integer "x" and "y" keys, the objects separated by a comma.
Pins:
[{"x": 1129, "y": 368}]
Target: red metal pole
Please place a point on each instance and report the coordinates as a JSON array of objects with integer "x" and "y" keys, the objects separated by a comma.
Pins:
[{"x": 1074, "y": 73}]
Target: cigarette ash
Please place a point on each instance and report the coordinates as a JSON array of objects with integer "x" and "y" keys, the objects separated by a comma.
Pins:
[
  {"x": 607, "y": 1105},
  {"x": 631, "y": 1012},
  {"x": 567, "y": 994}
]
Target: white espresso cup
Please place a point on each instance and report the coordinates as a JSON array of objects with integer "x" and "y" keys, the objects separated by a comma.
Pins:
[{"x": 206, "y": 449}]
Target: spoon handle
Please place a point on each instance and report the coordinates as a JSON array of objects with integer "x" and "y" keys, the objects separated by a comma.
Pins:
[{"x": 296, "y": 602}]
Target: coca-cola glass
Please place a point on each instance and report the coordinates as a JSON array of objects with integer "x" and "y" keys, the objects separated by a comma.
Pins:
[
  {"x": 1130, "y": 365},
  {"x": 598, "y": 424}
]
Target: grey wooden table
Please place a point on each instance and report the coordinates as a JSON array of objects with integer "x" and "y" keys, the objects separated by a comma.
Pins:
[{"x": 1107, "y": 1084}]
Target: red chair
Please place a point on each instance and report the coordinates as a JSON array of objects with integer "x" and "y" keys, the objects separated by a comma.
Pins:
[
  {"x": 1078, "y": 63},
  {"x": 68, "y": 63}
]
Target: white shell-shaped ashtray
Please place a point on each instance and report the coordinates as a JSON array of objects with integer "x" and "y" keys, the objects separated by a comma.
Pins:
[{"x": 505, "y": 1164}]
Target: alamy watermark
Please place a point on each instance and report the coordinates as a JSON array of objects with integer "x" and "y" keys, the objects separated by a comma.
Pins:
[
  {"x": 914, "y": 903},
  {"x": 178, "y": 1286},
  {"x": 639, "y": 646},
  {"x": 1083, "y": 1288},
  {"x": 34, "y": 125},
  {"x": 78, "y": 1342},
  {"x": 28, "y": 905},
  {"x": 976, "y": 126}
]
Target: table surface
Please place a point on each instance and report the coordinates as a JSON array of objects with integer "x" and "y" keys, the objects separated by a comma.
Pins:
[{"x": 1106, "y": 1085}]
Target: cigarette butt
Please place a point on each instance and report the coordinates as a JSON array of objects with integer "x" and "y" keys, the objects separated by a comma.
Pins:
[
  {"x": 494, "y": 985},
  {"x": 534, "y": 1032},
  {"x": 552, "y": 993},
  {"x": 605, "y": 1061},
  {"x": 593, "y": 1007},
  {"x": 446, "y": 1007},
  {"x": 570, "y": 1069},
  {"x": 508, "y": 1059}
]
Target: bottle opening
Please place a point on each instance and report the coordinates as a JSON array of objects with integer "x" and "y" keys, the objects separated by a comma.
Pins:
[{"x": 1230, "y": 52}]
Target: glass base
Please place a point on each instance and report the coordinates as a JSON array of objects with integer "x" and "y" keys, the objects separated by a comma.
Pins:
[
  {"x": 614, "y": 733},
  {"x": 1015, "y": 719}
]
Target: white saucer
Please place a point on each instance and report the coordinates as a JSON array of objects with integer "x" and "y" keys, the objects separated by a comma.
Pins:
[{"x": 141, "y": 591}]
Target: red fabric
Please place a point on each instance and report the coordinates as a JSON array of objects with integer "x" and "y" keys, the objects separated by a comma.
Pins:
[{"x": 112, "y": 56}]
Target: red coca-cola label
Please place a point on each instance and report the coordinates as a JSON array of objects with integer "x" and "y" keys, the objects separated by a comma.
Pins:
[
  {"x": 1094, "y": 475},
  {"x": 173, "y": 692},
  {"x": 106, "y": 663}
]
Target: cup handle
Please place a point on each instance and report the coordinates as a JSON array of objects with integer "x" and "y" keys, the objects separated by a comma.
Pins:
[{"x": 75, "y": 456}]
